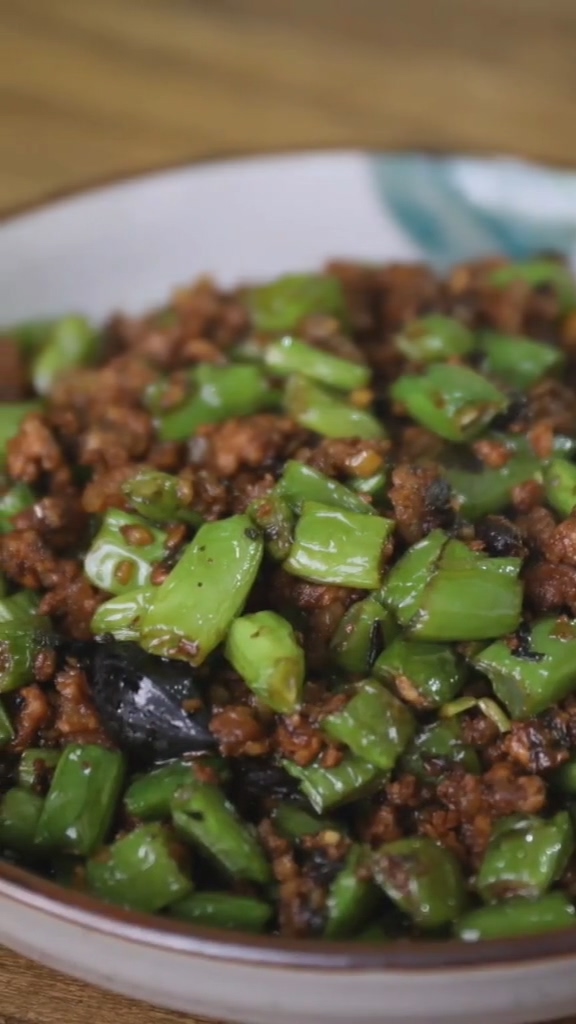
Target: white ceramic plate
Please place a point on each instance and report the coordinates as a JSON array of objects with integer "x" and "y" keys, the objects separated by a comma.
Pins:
[{"x": 126, "y": 246}]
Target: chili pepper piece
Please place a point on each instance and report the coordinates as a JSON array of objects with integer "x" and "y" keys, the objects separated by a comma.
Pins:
[
  {"x": 6, "y": 727},
  {"x": 17, "y": 499},
  {"x": 350, "y": 780},
  {"x": 526, "y": 858},
  {"x": 36, "y": 765},
  {"x": 71, "y": 343},
  {"x": 452, "y": 401},
  {"x": 148, "y": 798},
  {"x": 434, "y": 338},
  {"x": 12, "y": 415},
  {"x": 120, "y": 616},
  {"x": 316, "y": 409},
  {"x": 336, "y": 546},
  {"x": 20, "y": 812},
  {"x": 160, "y": 497},
  {"x": 300, "y": 483},
  {"x": 374, "y": 724},
  {"x": 117, "y": 563},
  {"x": 263, "y": 649},
  {"x": 427, "y": 675},
  {"x": 559, "y": 478},
  {"x": 436, "y": 749},
  {"x": 516, "y": 918},
  {"x": 422, "y": 879},
  {"x": 360, "y": 636},
  {"x": 224, "y": 910},
  {"x": 274, "y": 517},
  {"x": 352, "y": 898},
  {"x": 519, "y": 362},
  {"x": 535, "y": 274},
  {"x": 290, "y": 355},
  {"x": 295, "y": 823},
  {"x": 139, "y": 871},
  {"x": 281, "y": 306}
]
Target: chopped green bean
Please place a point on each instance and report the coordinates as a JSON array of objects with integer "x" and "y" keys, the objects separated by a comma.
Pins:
[
  {"x": 139, "y": 871},
  {"x": 124, "y": 552},
  {"x": 20, "y": 812},
  {"x": 537, "y": 273},
  {"x": 422, "y": 879},
  {"x": 289, "y": 355},
  {"x": 223, "y": 910},
  {"x": 559, "y": 478},
  {"x": 434, "y": 338},
  {"x": 263, "y": 649},
  {"x": 374, "y": 724},
  {"x": 280, "y": 306},
  {"x": 516, "y": 918},
  {"x": 317, "y": 409},
  {"x": 361, "y": 635},
  {"x": 20, "y": 644},
  {"x": 352, "y": 897},
  {"x": 336, "y": 546},
  {"x": 426, "y": 675},
  {"x": 519, "y": 362},
  {"x": 350, "y": 780},
  {"x": 161, "y": 497},
  {"x": 192, "y": 610},
  {"x": 71, "y": 343},
  {"x": 452, "y": 401},
  {"x": 525, "y": 859},
  {"x": 120, "y": 616}
]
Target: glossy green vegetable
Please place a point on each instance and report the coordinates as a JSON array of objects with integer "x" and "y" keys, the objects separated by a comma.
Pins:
[
  {"x": 11, "y": 416},
  {"x": 296, "y": 823},
  {"x": 527, "y": 685},
  {"x": 161, "y": 497},
  {"x": 488, "y": 491},
  {"x": 426, "y": 675},
  {"x": 139, "y": 871},
  {"x": 124, "y": 552},
  {"x": 280, "y": 306},
  {"x": 516, "y": 918},
  {"x": 325, "y": 788},
  {"x": 149, "y": 797},
  {"x": 519, "y": 362},
  {"x": 335, "y": 546},
  {"x": 352, "y": 898},
  {"x": 121, "y": 616},
  {"x": 71, "y": 343},
  {"x": 81, "y": 800},
  {"x": 274, "y": 517},
  {"x": 328, "y": 414},
  {"x": 6, "y": 727},
  {"x": 436, "y": 749},
  {"x": 374, "y": 724},
  {"x": 20, "y": 812},
  {"x": 422, "y": 879},
  {"x": 434, "y": 338},
  {"x": 264, "y": 651},
  {"x": 204, "y": 817},
  {"x": 192, "y": 610},
  {"x": 37, "y": 765},
  {"x": 361, "y": 635},
  {"x": 23, "y": 634},
  {"x": 526, "y": 858},
  {"x": 223, "y": 910},
  {"x": 300, "y": 483},
  {"x": 536, "y": 274},
  {"x": 289, "y": 355},
  {"x": 559, "y": 478},
  {"x": 31, "y": 335},
  {"x": 17, "y": 499},
  {"x": 452, "y": 401}
]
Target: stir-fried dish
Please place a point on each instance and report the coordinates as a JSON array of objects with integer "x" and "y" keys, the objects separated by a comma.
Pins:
[{"x": 288, "y": 607}]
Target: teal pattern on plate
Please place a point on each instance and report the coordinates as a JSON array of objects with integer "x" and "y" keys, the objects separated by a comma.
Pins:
[{"x": 457, "y": 208}]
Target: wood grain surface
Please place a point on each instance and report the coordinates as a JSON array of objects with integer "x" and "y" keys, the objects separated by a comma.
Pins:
[{"x": 90, "y": 90}]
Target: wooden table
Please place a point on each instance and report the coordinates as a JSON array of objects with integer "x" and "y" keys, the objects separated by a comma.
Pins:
[{"x": 89, "y": 90}]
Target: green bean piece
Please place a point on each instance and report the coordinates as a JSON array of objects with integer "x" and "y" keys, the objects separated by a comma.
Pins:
[
  {"x": 434, "y": 338},
  {"x": 160, "y": 497},
  {"x": 124, "y": 552},
  {"x": 289, "y": 355},
  {"x": 317, "y": 409},
  {"x": 559, "y": 478},
  {"x": 300, "y": 483},
  {"x": 452, "y": 401},
  {"x": 215, "y": 394},
  {"x": 360, "y": 636},
  {"x": 71, "y": 343},
  {"x": 516, "y": 918},
  {"x": 149, "y": 797},
  {"x": 352, "y": 897},
  {"x": 120, "y": 616},
  {"x": 223, "y": 910},
  {"x": 531, "y": 684},
  {"x": 20, "y": 812},
  {"x": 490, "y": 708},
  {"x": 426, "y": 675},
  {"x": 204, "y": 817},
  {"x": 274, "y": 517},
  {"x": 36, "y": 766},
  {"x": 17, "y": 499},
  {"x": 6, "y": 727},
  {"x": 536, "y": 274},
  {"x": 436, "y": 749},
  {"x": 280, "y": 306},
  {"x": 374, "y": 724},
  {"x": 264, "y": 651},
  {"x": 192, "y": 610},
  {"x": 81, "y": 800},
  {"x": 422, "y": 879},
  {"x": 488, "y": 491},
  {"x": 295, "y": 823},
  {"x": 12, "y": 415},
  {"x": 139, "y": 871},
  {"x": 526, "y": 858},
  {"x": 350, "y": 780},
  {"x": 519, "y": 362},
  {"x": 336, "y": 546}
]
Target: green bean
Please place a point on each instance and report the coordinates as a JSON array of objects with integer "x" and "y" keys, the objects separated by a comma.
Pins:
[
  {"x": 517, "y": 918},
  {"x": 20, "y": 812},
  {"x": 139, "y": 871},
  {"x": 559, "y": 478},
  {"x": 452, "y": 401},
  {"x": 352, "y": 897},
  {"x": 295, "y": 823},
  {"x": 537, "y": 273},
  {"x": 274, "y": 517},
  {"x": 300, "y": 483},
  {"x": 124, "y": 552},
  {"x": 426, "y": 675},
  {"x": 223, "y": 910},
  {"x": 434, "y": 338},
  {"x": 529, "y": 683},
  {"x": 436, "y": 749},
  {"x": 526, "y": 858},
  {"x": 264, "y": 651},
  {"x": 6, "y": 727},
  {"x": 35, "y": 765},
  {"x": 519, "y": 362},
  {"x": 161, "y": 497},
  {"x": 149, "y": 797},
  {"x": 215, "y": 394},
  {"x": 289, "y": 355},
  {"x": 81, "y": 800},
  {"x": 374, "y": 724},
  {"x": 12, "y": 414},
  {"x": 317, "y": 409},
  {"x": 17, "y": 499},
  {"x": 192, "y": 610},
  {"x": 71, "y": 343},
  {"x": 120, "y": 616},
  {"x": 422, "y": 879},
  {"x": 350, "y": 780},
  {"x": 336, "y": 546},
  {"x": 280, "y": 306},
  {"x": 361, "y": 635},
  {"x": 204, "y": 817}
]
